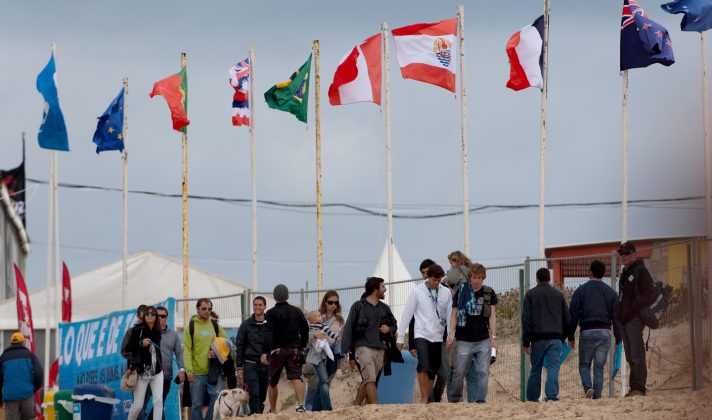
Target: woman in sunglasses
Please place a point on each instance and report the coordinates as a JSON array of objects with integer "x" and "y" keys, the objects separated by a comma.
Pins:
[{"x": 145, "y": 344}]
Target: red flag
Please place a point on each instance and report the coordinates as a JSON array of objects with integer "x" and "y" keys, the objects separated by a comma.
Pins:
[
  {"x": 175, "y": 90},
  {"x": 66, "y": 295},
  {"x": 53, "y": 373},
  {"x": 24, "y": 311},
  {"x": 358, "y": 77}
]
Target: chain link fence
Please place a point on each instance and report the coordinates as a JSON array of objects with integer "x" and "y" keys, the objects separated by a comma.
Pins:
[{"x": 678, "y": 356}]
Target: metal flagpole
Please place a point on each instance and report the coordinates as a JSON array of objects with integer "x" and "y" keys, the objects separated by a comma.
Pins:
[
  {"x": 253, "y": 167},
  {"x": 389, "y": 166},
  {"x": 542, "y": 131},
  {"x": 57, "y": 266},
  {"x": 50, "y": 253},
  {"x": 317, "y": 126},
  {"x": 624, "y": 198},
  {"x": 125, "y": 165},
  {"x": 184, "y": 148},
  {"x": 463, "y": 130},
  {"x": 708, "y": 181}
]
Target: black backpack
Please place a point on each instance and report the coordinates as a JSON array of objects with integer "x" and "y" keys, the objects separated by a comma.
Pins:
[{"x": 653, "y": 313}]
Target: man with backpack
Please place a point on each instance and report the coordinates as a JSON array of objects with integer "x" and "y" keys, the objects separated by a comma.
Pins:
[
  {"x": 197, "y": 354},
  {"x": 592, "y": 307},
  {"x": 636, "y": 292}
]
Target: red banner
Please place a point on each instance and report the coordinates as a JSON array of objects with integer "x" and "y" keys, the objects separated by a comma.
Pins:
[
  {"x": 66, "y": 295},
  {"x": 24, "y": 311}
]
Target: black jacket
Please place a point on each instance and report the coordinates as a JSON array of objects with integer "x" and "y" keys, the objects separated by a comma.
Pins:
[
  {"x": 140, "y": 355},
  {"x": 593, "y": 306},
  {"x": 545, "y": 316},
  {"x": 637, "y": 291},
  {"x": 249, "y": 341},
  {"x": 363, "y": 323},
  {"x": 285, "y": 328}
]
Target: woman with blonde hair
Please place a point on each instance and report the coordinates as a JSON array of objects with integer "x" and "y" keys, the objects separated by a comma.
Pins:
[{"x": 459, "y": 269}]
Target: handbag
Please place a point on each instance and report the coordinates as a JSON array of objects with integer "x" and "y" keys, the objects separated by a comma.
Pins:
[{"x": 129, "y": 379}]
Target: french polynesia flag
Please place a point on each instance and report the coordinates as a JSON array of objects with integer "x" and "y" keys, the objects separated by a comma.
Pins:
[
  {"x": 525, "y": 51},
  {"x": 358, "y": 76},
  {"x": 427, "y": 52}
]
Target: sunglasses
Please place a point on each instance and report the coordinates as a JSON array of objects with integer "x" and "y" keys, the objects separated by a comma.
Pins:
[
  {"x": 163, "y": 316},
  {"x": 332, "y": 302},
  {"x": 204, "y": 308},
  {"x": 149, "y": 314}
]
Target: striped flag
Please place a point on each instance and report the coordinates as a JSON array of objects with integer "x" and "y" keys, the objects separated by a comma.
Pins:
[
  {"x": 240, "y": 81},
  {"x": 525, "y": 50}
]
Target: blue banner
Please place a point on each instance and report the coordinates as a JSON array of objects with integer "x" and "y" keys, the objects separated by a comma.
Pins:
[{"x": 90, "y": 353}]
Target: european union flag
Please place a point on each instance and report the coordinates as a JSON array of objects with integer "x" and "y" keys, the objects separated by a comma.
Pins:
[
  {"x": 698, "y": 14},
  {"x": 53, "y": 131},
  {"x": 643, "y": 42},
  {"x": 109, "y": 134}
]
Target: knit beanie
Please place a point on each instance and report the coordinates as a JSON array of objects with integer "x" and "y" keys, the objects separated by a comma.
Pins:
[{"x": 280, "y": 293}]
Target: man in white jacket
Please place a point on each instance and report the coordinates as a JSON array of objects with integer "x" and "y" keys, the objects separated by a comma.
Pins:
[{"x": 431, "y": 304}]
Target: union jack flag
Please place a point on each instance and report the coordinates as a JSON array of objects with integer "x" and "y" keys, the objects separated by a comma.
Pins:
[
  {"x": 643, "y": 41},
  {"x": 240, "y": 81}
]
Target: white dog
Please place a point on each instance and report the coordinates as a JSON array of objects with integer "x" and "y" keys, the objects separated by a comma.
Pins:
[{"x": 229, "y": 403}]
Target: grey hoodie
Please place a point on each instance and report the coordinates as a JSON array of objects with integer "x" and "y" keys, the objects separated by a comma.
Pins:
[{"x": 170, "y": 343}]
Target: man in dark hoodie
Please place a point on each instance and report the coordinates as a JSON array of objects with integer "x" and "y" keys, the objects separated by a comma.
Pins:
[
  {"x": 545, "y": 324},
  {"x": 637, "y": 291},
  {"x": 249, "y": 351},
  {"x": 20, "y": 377},
  {"x": 592, "y": 308},
  {"x": 285, "y": 335}
]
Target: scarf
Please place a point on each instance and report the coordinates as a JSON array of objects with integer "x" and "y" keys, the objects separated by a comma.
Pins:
[{"x": 466, "y": 303}]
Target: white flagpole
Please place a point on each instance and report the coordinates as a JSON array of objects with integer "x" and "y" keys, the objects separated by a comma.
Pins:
[
  {"x": 463, "y": 131},
  {"x": 542, "y": 131},
  {"x": 253, "y": 167},
  {"x": 624, "y": 198},
  {"x": 50, "y": 252},
  {"x": 57, "y": 266},
  {"x": 389, "y": 167},
  {"x": 125, "y": 165},
  {"x": 317, "y": 129}
]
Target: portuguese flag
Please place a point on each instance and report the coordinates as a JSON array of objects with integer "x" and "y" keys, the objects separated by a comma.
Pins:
[
  {"x": 175, "y": 90},
  {"x": 292, "y": 95}
]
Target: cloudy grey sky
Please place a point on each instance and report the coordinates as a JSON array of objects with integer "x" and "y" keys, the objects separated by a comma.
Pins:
[{"x": 100, "y": 42}]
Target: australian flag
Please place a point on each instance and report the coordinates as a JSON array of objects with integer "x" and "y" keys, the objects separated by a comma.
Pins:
[
  {"x": 698, "y": 14},
  {"x": 643, "y": 42},
  {"x": 14, "y": 181},
  {"x": 109, "y": 134}
]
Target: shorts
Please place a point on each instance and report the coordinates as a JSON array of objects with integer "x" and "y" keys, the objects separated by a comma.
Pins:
[
  {"x": 283, "y": 358},
  {"x": 429, "y": 356},
  {"x": 370, "y": 362}
]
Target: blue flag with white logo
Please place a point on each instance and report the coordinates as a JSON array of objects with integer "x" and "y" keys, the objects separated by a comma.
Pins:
[
  {"x": 109, "y": 134},
  {"x": 53, "y": 131},
  {"x": 643, "y": 42},
  {"x": 698, "y": 14}
]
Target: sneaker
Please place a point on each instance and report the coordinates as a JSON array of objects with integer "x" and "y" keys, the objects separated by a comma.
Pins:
[
  {"x": 300, "y": 408},
  {"x": 635, "y": 393},
  {"x": 589, "y": 393}
]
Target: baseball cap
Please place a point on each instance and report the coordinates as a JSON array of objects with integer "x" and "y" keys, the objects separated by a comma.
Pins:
[
  {"x": 17, "y": 338},
  {"x": 626, "y": 248}
]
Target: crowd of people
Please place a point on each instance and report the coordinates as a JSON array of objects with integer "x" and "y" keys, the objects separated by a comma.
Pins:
[{"x": 450, "y": 321}]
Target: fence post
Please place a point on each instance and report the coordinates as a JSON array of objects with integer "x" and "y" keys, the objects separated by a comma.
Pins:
[
  {"x": 612, "y": 350},
  {"x": 245, "y": 298},
  {"x": 695, "y": 314},
  {"x": 524, "y": 367},
  {"x": 301, "y": 299}
]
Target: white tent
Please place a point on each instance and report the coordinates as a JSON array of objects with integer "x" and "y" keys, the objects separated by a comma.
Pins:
[
  {"x": 152, "y": 277},
  {"x": 397, "y": 294}
]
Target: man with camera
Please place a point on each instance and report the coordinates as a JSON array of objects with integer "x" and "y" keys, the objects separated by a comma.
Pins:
[{"x": 431, "y": 305}]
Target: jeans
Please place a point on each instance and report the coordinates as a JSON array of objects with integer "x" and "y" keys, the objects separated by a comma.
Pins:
[
  {"x": 593, "y": 346},
  {"x": 166, "y": 389},
  {"x": 257, "y": 378},
  {"x": 21, "y": 410},
  {"x": 139, "y": 393},
  {"x": 634, "y": 347},
  {"x": 319, "y": 399},
  {"x": 197, "y": 390},
  {"x": 472, "y": 358},
  {"x": 551, "y": 349}
]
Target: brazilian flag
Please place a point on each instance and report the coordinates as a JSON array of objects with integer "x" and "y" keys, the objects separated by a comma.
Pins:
[{"x": 292, "y": 95}]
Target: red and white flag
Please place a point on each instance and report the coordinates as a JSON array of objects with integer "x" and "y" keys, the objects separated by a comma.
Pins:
[
  {"x": 427, "y": 52},
  {"x": 240, "y": 81},
  {"x": 66, "y": 294},
  {"x": 24, "y": 311},
  {"x": 358, "y": 76},
  {"x": 525, "y": 50}
]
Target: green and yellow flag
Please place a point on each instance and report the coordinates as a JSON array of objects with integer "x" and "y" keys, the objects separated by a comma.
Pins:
[{"x": 292, "y": 95}]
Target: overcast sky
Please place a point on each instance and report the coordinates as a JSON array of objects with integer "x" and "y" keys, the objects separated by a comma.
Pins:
[{"x": 100, "y": 42}]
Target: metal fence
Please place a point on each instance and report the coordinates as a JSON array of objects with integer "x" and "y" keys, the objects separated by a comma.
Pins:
[{"x": 679, "y": 351}]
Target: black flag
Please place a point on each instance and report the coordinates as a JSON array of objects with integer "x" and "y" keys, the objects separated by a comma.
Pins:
[{"x": 14, "y": 180}]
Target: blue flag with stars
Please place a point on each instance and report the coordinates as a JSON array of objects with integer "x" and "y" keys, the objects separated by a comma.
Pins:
[
  {"x": 643, "y": 42},
  {"x": 698, "y": 14},
  {"x": 53, "y": 131},
  {"x": 109, "y": 134}
]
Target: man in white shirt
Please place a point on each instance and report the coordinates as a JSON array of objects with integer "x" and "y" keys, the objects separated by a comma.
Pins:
[{"x": 431, "y": 304}]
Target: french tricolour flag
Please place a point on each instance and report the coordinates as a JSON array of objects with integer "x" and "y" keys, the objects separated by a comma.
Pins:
[
  {"x": 428, "y": 52},
  {"x": 358, "y": 76},
  {"x": 524, "y": 50}
]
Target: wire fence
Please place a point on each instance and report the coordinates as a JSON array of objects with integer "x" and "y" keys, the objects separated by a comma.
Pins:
[{"x": 678, "y": 356}]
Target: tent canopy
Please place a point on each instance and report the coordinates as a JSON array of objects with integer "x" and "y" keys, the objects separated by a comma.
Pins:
[{"x": 152, "y": 277}]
